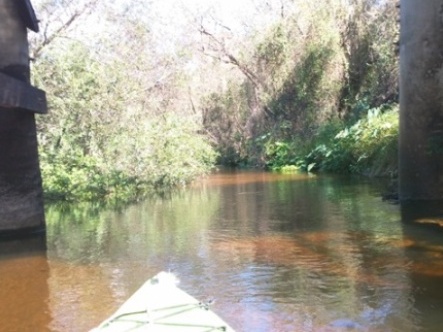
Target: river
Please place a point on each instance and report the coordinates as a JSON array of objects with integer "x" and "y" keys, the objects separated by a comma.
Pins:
[{"x": 277, "y": 252}]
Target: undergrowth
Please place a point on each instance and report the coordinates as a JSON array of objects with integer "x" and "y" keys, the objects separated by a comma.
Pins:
[{"x": 368, "y": 146}]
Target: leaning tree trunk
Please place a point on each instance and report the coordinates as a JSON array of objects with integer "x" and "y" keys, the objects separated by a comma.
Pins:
[
  {"x": 421, "y": 101},
  {"x": 21, "y": 202}
]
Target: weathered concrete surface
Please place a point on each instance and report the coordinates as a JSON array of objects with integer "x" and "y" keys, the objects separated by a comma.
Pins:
[
  {"x": 19, "y": 94},
  {"x": 421, "y": 100},
  {"x": 21, "y": 201},
  {"x": 13, "y": 39}
]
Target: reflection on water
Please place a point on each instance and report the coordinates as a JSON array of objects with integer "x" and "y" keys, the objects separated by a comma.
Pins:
[{"x": 277, "y": 253}]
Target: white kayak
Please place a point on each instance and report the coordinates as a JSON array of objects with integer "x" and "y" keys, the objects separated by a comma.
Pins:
[{"x": 160, "y": 306}]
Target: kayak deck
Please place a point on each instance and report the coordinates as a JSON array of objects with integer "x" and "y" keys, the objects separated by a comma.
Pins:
[{"x": 160, "y": 306}]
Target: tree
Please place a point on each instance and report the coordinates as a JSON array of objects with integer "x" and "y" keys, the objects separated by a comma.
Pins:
[
  {"x": 105, "y": 130},
  {"x": 318, "y": 61}
]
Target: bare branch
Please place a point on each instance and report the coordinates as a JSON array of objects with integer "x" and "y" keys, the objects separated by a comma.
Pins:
[
  {"x": 228, "y": 57},
  {"x": 50, "y": 36}
]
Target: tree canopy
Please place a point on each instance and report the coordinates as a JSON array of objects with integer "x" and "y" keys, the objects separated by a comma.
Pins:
[{"x": 147, "y": 94}]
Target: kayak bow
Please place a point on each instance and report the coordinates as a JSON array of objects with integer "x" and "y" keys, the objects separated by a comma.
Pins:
[{"x": 160, "y": 306}]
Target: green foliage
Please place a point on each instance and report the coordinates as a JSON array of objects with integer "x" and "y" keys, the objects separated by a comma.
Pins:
[
  {"x": 121, "y": 123},
  {"x": 81, "y": 178},
  {"x": 367, "y": 147},
  {"x": 280, "y": 154},
  {"x": 273, "y": 51},
  {"x": 372, "y": 63},
  {"x": 327, "y": 61},
  {"x": 290, "y": 169},
  {"x": 224, "y": 119},
  {"x": 304, "y": 91},
  {"x": 176, "y": 153},
  {"x": 103, "y": 139}
]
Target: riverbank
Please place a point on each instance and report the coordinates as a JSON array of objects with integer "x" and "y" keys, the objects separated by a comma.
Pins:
[{"x": 369, "y": 147}]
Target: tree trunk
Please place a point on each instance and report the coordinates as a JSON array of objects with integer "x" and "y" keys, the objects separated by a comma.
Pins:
[
  {"x": 421, "y": 101},
  {"x": 21, "y": 199}
]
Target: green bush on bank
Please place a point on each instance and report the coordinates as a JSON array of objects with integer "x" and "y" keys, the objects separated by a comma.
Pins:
[
  {"x": 369, "y": 146},
  {"x": 326, "y": 60},
  {"x": 82, "y": 178},
  {"x": 105, "y": 138},
  {"x": 173, "y": 154},
  {"x": 165, "y": 152}
]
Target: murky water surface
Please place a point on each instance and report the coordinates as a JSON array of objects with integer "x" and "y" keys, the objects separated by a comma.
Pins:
[{"x": 276, "y": 252}]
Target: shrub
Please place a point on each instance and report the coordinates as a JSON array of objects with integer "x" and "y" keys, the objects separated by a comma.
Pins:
[
  {"x": 101, "y": 138},
  {"x": 367, "y": 147}
]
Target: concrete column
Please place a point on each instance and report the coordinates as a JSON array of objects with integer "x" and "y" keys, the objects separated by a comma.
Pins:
[
  {"x": 21, "y": 199},
  {"x": 421, "y": 101}
]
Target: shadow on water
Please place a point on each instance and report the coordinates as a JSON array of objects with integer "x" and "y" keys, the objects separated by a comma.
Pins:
[
  {"x": 423, "y": 233},
  {"x": 425, "y": 213},
  {"x": 24, "y": 293}
]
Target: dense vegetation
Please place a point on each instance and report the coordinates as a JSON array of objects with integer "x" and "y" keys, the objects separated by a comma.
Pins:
[
  {"x": 332, "y": 65},
  {"x": 316, "y": 89}
]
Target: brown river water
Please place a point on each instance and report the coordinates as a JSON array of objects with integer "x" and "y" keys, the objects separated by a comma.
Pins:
[{"x": 276, "y": 252}]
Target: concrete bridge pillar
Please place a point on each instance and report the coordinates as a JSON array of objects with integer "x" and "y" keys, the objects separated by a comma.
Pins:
[
  {"x": 21, "y": 199},
  {"x": 421, "y": 101}
]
